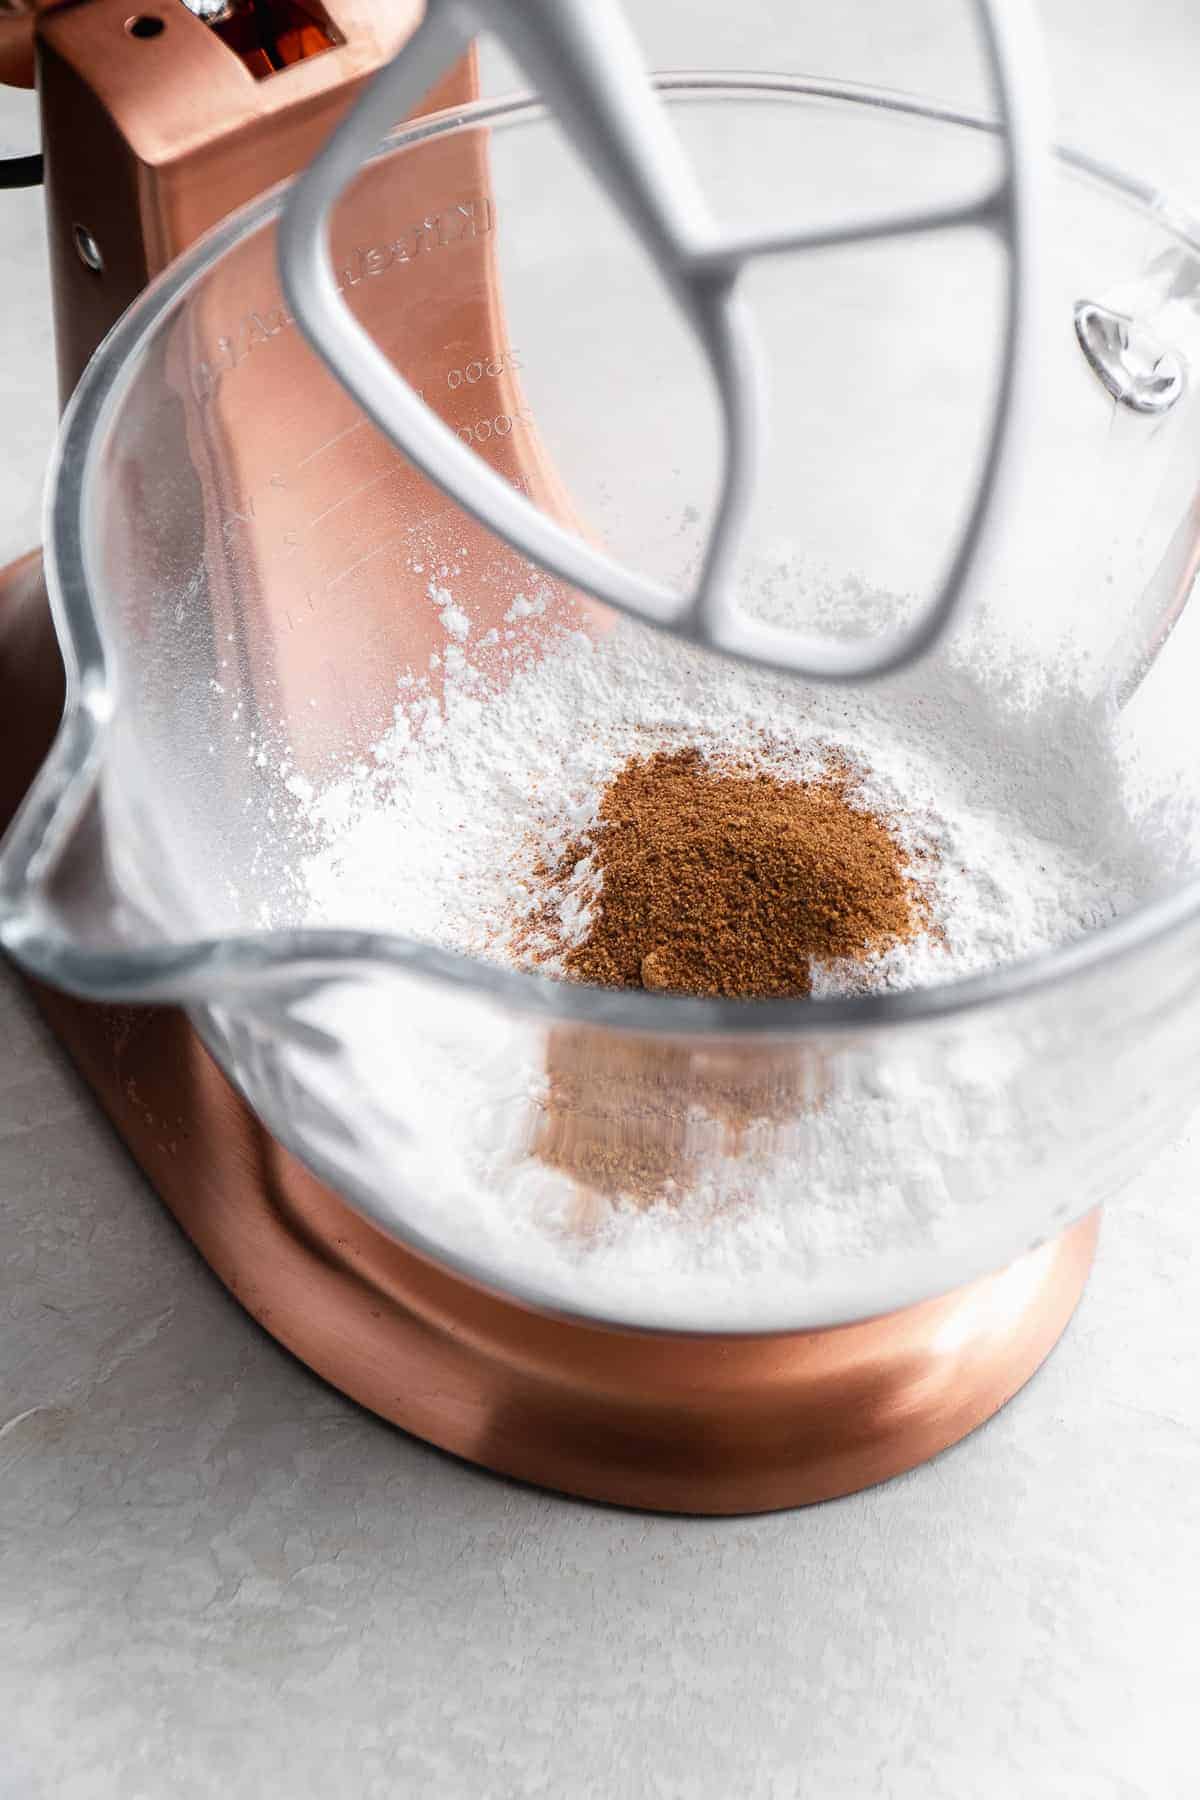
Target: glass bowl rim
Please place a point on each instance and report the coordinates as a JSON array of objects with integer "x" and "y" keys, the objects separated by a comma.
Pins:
[{"x": 239, "y": 965}]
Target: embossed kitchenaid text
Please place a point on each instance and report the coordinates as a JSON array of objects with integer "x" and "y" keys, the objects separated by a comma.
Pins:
[{"x": 463, "y": 221}]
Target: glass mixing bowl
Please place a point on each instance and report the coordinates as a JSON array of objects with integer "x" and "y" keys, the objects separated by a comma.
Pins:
[{"x": 239, "y": 568}]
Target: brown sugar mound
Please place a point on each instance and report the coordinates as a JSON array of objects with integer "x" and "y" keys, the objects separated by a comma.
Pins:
[{"x": 719, "y": 882}]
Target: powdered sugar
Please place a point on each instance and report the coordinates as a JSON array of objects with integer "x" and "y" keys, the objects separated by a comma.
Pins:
[
  {"x": 1020, "y": 851},
  {"x": 1032, "y": 826}
]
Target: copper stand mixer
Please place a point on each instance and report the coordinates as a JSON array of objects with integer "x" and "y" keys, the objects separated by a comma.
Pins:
[{"x": 155, "y": 126}]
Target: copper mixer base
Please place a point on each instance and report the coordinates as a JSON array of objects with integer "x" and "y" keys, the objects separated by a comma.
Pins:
[{"x": 681, "y": 1424}]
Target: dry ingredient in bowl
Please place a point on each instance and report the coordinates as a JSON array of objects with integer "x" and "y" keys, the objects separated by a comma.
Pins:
[
  {"x": 1003, "y": 790},
  {"x": 715, "y": 880},
  {"x": 708, "y": 1181},
  {"x": 724, "y": 881},
  {"x": 632, "y": 1121}
]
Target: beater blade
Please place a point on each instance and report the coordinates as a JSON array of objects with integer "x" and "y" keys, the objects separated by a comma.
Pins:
[{"x": 582, "y": 57}]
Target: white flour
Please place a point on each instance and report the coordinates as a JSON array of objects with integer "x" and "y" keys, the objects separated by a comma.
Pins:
[
  {"x": 438, "y": 840},
  {"x": 1015, "y": 788}
]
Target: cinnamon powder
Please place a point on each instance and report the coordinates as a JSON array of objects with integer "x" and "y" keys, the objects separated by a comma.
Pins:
[
  {"x": 732, "y": 883},
  {"x": 637, "y": 1118},
  {"x": 712, "y": 881}
]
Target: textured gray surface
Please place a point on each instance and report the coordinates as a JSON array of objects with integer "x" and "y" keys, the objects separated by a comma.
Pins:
[{"x": 219, "y": 1578}]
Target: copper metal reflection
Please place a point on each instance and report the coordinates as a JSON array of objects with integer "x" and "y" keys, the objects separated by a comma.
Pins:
[
  {"x": 677, "y": 1423},
  {"x": 148, "y": 141}
]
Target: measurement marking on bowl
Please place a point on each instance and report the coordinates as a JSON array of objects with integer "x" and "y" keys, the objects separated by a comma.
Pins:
[
  {"x": 381, "y": 545},
  {"x": 490, "y": 364},
  {"x": 483, "y": 430},
  {"x": 362, "y": 488},
  {"x": 329, "y": 443}
]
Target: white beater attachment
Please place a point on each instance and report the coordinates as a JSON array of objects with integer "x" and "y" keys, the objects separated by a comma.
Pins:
[{"x": 583, "y": 59}]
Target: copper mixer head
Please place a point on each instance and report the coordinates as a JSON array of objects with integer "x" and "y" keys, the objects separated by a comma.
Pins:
[{"x": 157, "y": 124}]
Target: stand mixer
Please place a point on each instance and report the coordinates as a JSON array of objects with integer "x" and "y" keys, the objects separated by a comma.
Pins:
[{"x": 170, "y": 128}]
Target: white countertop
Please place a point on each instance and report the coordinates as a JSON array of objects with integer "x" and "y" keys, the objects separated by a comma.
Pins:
[{"x": 218, "y": 1577}]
